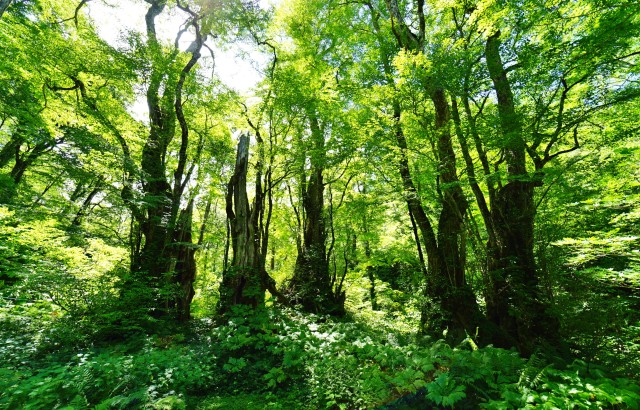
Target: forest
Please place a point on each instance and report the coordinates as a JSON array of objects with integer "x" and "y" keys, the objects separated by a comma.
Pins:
[{"x": 415, "y": 204}]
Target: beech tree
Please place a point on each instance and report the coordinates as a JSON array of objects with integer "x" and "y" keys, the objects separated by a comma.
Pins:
[{"x": 551, "y": 91}]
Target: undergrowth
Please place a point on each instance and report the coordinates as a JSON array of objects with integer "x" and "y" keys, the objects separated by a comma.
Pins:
[{"x": 284, "y": 359}]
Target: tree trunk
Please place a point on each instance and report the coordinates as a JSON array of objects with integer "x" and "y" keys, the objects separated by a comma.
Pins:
[
  {"x": 154, "y": 259},
  {"x": 10, "y": 149},
  {"x": 311, "y": 282},
  {"x": 456, "y": 309},
  {"x": 242, "y": 282},
  {"x": 82, "y": 212},
  {"x": 516, "y": 304},
  {"x": 43, "y": 143},
  {"x": 4, "y": 4},
  {"x": 158, "y": 263},
  {"x": 27, "y": 159},
  {"x": 311, "y": 285},
  {"x": 367, "y": 253},
  {"x": 450, "y": 302},
  {"x": 185, "y": 265}
]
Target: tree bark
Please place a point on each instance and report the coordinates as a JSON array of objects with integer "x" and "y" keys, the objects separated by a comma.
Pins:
[
  {"x": 450, "y": 302},
  {"x": 40, "y": 142},
  {"x": 4, "y": 4},
  {"x": 461, "y": 313},
  {"x": 82, "y": 212},
  {"x": 311, "y": 285},
  {"x": 9, "y": 150},
  {"x": 245, "y": 281},
  {"x": 516, "y": 304},
  {"x": 367, "y": 253},
  {"x": 25, "y": 160},
  {"x": 241, "y": 284},
  {"x": 160, "y": 261},
  {"x": 185, "y": 266}
]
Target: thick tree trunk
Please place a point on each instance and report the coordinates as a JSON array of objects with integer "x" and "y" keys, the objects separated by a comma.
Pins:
[
  {"x": 18, "y": 170},
  {"x": 451, "y": 304},
  {"x": 152, "y": 264},
  {"x": 155, "y": 256},
  {"x": 471, "y": 173},
  {"x": 516, "y": 304},
  {"x": 454, "y": 203},
  {"x": 242, "y": 282},
  {"x": 311, "y": 282},
  {"x": 185, "y": 264},
  {"x": 158, "y": 262},
  {"x": 458, "y": 309},
  {"x": 311, "y": 285}
]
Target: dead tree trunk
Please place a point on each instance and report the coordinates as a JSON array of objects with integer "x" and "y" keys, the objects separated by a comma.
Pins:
[{"x": 242, "y": 282}]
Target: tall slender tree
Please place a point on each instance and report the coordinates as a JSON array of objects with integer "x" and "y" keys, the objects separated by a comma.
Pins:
[{"x": 453, "y": 305}]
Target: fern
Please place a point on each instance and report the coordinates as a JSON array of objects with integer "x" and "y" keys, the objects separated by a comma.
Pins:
[
  {"x": 532, "y": 373},
  {"x": 133, "y": 400}
]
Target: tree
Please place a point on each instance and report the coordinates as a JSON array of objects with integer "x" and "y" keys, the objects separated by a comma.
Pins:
[
  {"x": 157, "y": 221},
  {"x": 246, "y": 280},
  {"x": 454, "y": 305},
  {"x": 559, "y": 99},
  {"x": 311, "y": 284},
  {"x": 304, "y": 87}
]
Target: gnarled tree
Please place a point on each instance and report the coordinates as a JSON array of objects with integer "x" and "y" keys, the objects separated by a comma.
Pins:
[{"x": 245, "y": 281}]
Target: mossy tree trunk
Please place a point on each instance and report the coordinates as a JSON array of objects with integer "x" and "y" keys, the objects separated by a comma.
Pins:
[
  {"x": 450, "y": 302},
  {"x": 185, "y": 264},
  {"x": 311, "y": 285},
  {"x": 162, "y": 249},
  {"x": 516, "y": 303}
]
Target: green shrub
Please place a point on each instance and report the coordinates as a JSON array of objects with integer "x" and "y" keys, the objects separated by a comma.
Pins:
[{"x": 284, "y": 359}]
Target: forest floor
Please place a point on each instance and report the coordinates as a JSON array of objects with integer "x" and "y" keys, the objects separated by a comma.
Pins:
[{"x": 283, "y": 359}]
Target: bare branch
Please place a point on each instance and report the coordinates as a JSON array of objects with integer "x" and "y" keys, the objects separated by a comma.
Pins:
[{"x": 75, "y": 13}]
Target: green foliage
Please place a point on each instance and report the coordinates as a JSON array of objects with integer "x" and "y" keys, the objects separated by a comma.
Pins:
[
  {"x": 60, "y": 288},
  {"x": 576, "y": 386},
  {"x": 76, "y": 327},
  {"x": 593, "y": 263},
  {"x": 112, "y": 378},
  {"x": 282, "y": 359}
]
